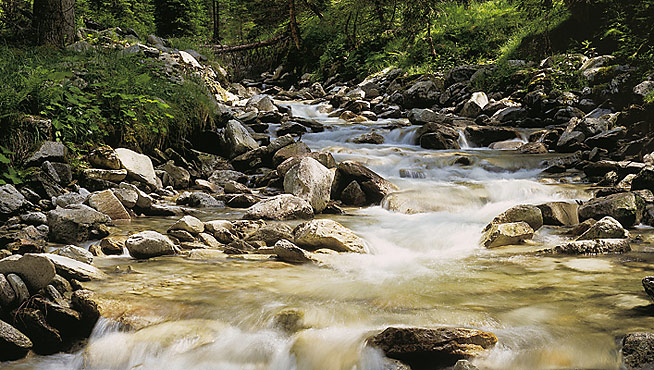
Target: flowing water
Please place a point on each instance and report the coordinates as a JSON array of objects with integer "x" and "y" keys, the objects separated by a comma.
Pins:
[{"x": 425, "y": 268}]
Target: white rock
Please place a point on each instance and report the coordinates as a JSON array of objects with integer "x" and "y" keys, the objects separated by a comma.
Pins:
[{"x": 310, "y": 181}]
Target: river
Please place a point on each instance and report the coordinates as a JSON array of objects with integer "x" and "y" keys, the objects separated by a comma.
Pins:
[{"x": 425, "y": 268}]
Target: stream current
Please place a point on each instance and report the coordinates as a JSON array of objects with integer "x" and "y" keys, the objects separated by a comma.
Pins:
[{"x": 425, "y": 268}]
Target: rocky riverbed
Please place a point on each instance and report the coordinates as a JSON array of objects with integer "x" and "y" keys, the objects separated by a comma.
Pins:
[{"x": 390, "y": 223}]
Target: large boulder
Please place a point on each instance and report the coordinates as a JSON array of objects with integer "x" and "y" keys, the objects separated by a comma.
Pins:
[
  {"x": 475, "y": 105},
  {"x": 643, "y": 180},
  {"x": 237, "y": 139},
  {"x": 606, "y": 228},
  {"x": 147, "y": 244},
  {"x": 374, "y": 186},
  {"x": 438, "y": 136},
  {"x": 14, "y": 345},
  {"x": 424, "y": 348},
  {"x": 106, "y": 202},
  {"x": 328, "y": 234},
  {"x": 74, "y": 269},
  {"x": 76, "y": 223},
  {"x": 532, "y": 215},
  {"x": 178, "y": 177},
  {"x": 11, "y": 200},
  {"x": 560, "y": 213},
  {"x": 627, "y": 208},
  {"x": 262, "y": 102},
  {"x": 280, "y": 207},
  {"x": 638, "y": 351},
  {"x": 36, "y": 270},
  {"x": 48, "y": 151},
  {"x": 139, "y": 167},
  {"x": 310, "y": 181},
  {"x": 422, "y": 94},
  {"x": 512, "y": 233},
  {"x": 486, "y": 135}
]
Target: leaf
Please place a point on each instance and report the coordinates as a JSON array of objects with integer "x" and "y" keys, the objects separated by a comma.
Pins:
[
  {"x": 4, "y": 159},
  {"x": 58, "y": 76}
]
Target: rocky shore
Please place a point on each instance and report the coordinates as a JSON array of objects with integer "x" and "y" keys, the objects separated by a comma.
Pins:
[{"x": 256, "y": 161}]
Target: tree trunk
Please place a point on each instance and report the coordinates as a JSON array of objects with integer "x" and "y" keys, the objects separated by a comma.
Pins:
[
  {"x": 314, "y": 9},
  {"x": 54, "y": 22},
  {"x": 295, "y": 32},
  {"x": 216, "y": 20}
]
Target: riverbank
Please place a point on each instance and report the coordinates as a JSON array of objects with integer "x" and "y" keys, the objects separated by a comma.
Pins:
[{"x": 212, "y": 257}]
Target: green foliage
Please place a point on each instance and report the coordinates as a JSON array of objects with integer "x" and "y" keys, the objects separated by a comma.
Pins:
[
  {"x": 8, "y": 173},
  {"x": 180, "y": 17},
  {"x": 135, "y": 14}
]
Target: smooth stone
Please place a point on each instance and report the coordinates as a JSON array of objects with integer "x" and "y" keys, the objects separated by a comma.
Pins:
[
  {"x": 189, "y": 224},
  {"x": 311, "y": 181},
  {"x": 289, "y": 252},
  {"x": 560, "y": 213},
  {"x": 139, "y": 167},
  {"x": 36, "y": 270},
  {"x": 106, "y": 202},
  {"x": 280, "y": 207},
  {"x": 606, "y": 228},
  {"x": 329, "y": 234},
  {"x": 147, "y": 244},
  {"x": 512, "y": 233},
  {"x": 76, "y": 253},
  {"x": 74, "y": 269}
]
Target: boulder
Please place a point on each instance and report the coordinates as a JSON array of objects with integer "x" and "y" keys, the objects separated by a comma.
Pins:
[
  {"x": 532, "y": 215},
  {"x": 48, "y": 151},
  {"x": 560, "y": 213},
  {"x": 310, "y": 181},
  {"x": 638, "y": 351},
  {"x": 105, "y": 175},
  {"x": 475, "y": 105},
  {"x": 106, "y": 202},
  {"x": 237, "y": 139},
  {"x": 104, "y": 157},
  {"x": 262, "y": 102},
  {"x": 280, "y": 207},
  {"x": 76, "y": 253},
  {"x": 592, "y": 247},
  {"x": 179, "y": 177},
  {"x": 11, "y": 200},
  {"x": 139, "y": 167},
  {"x": 112, "y": 245},
  {"x": 19, "y": 287},
  {"x": 423, "y": 348},
  {"x": 7, "y": 294},
  {"x": 328, "y": 234},
  {"x": 189, "y": 224},
  {"x": 643, "y": 180},
  {"x": 486, "y": 135},
  {"x": 606, "y": 228},
  {"x": 289, "y": 252},
  {"x": 648, "y": 285},
  {"x": 512, "y": 233},
  {"x": 74, "y": 269},
  {"x": 374, "y": 186},
  {"x": 422, "y": 94},
  {"x": 68, "y": 199},
  {"x": 36, "y": 270},
  {"x": 143, "y": 201},
  {"x": 127, "y": 197},
  {"x": 14, "y": 345},
  {"x": 627, "y": 208},
  {"x": 297, "y": 149},
  {"x": 76, "y": 223},
  {"x": 147, "y": 244}
]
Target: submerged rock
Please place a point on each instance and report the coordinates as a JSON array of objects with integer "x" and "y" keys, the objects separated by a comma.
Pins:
[
  {"x": 423, "y": 348},
  {"x": 328, "y": 234},
  {"x": 512, "y": 233}
]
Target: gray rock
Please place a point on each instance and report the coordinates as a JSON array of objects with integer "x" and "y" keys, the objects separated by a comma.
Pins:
[
  {"x": 144, "y": 201},
  {"x": 374, "y": 186},
  {"x": 139, "y": 167},
  {"x": 127, "y": 197},
  {"x": 35, "y": 270},
  {"x": 76, "y": 253},
  {"x": 68, "y": 199},
  {"x": 289, "y": 252},
  {"x": 200, "y": 200},
  {"x": 592, "y": 247},
  {"x": 14, "y": 345},
  {"x": 74, "y": 269},
  {"x": 107, "y": 203},
  {"x": 7, "y": 294},
  {"x": 638, "y": 351},
  {"x": 263, "y": 103},
  {"x": 328, "y": 234},
  {"x": 76, "y": 223},
  {"x": 147, "y": 244},
  {"x": 189, "y": 224},
  {"x": 105, "y": 157},
  {"x": 475, "y": 105},
  {"x": 606, "y": 228},
  {"x": 237, "y": 139},
  {"x": 560, "y": 213},
  {"x": 19, "y": 287},
  {"x": 369, "y": 138},
  {"x": 271, "y": 233},
  {"x": 532, "y": 215},
  {"x": 221, "y": 177},
  {"x": 179, "y": 177},
  {"x": 512, "y": 233},
  {"x": 280, "y": 207},
  {"x": 353, "y": 195},
  {"x": 422, "y": 94},
  {"x": 105, "y": 175},
  {"x": 310, "y": 181},
  {"x": 11, "y": 200},
  {"x": 627, "y": 208},
  {"x": 34, "y": 218},
  {"x": 48, "y": 151}
]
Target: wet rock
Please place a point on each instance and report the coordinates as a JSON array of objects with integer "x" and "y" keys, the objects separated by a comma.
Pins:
[
  {"x": 46, "y": 339},
  {"x": 298, "y": 149},
  {"x": 14, "y": 345},
  {"x": 112, "y": 246},
  {"x": 289, "y": 252},
  {"x": 369, "y": 138},
  {"x": 353, "y": 195},
  {"x": 422, "y": 94},
  {"x": 139, "y": 167},
  {"x": 107, "y": 203},
  {"x": 127, "y": 197},
  {"x": 638, "y": 351},
  {"x": 422, "y": 348},
  {"x": 485, "y": 135},
  {"x": 35, "y": 270},
  {"x": 592, "y": 247},
  {"x": 86, "y": 302},
  {"x": 280, "y": 207},
  {"x": 560, "y": 213},
  {"x": 328, "y": 234},
  {"x": 105, "y": 157},
  {"x": 199, "y": 200},
  {"x": 506, "y": 145},
  {"x": 189, "y": 224},
  {"x": 271, "y": 233},
  {"x": 74, "y": 269},
  {"x": 76, "y": 223},
  {"x": 533, "y": 148},
  {"x": 105, "y": 175},
  {"x": 513, "y": 233},
  {"x": 475, "y": 105},
  {"x": 438, "y": 137},
  {"x": 63, "y": 319},
  {"x": 179, "y": 177},
  {"x": 627, "y": 208},
  {"x": 643, "y": 180},
  {"x": 11, "y": 201},
  {"x": 606, "y": 228},
  {"x": 76, "y": 253},
  {"x": 374, "y": 186},
  {"x": 464, "y": 365},
  {"x": 237, "y": 139},
  {"x": 310, "y": 181},
  {"x": 648, "y": 285},
  {"x": 147, "y": 244},
  {"x": 289, "y": 320},
  {"x": 48, "y": 151},
  {"x": 532, "y": 215}
]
